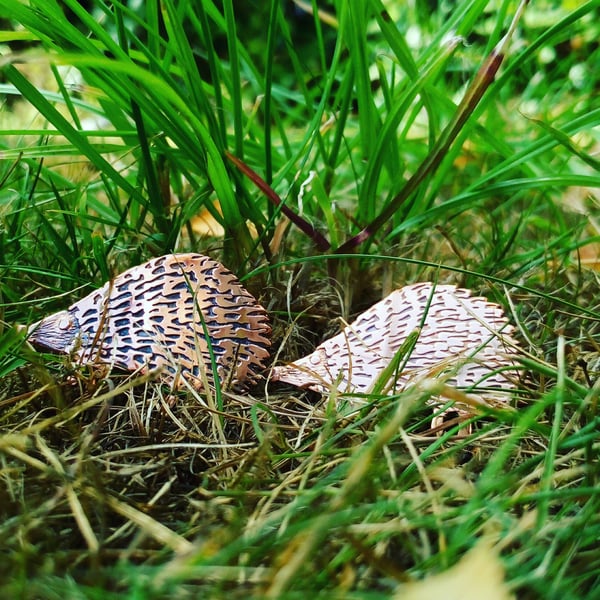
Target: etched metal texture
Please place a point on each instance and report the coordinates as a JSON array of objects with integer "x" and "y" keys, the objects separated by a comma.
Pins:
[
  {"x": 462, "y": 338},
  {"x": 182, "y": 313}
]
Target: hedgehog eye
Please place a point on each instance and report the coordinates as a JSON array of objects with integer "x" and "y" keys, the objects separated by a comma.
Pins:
[{"x": 65, "y": 323}]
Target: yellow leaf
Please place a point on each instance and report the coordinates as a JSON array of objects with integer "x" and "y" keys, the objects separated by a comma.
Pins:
[{"x": 479, "y": 574}]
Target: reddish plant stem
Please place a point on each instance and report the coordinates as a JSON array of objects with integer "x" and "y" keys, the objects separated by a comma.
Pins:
[
  {"x": 482, "y": 81},
  {"x": 320, "y": 241}
]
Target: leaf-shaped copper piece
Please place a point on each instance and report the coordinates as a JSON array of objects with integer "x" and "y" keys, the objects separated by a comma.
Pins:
[
  {"x": 181, "y": 313},
  {"x": 467, "y": 338}
]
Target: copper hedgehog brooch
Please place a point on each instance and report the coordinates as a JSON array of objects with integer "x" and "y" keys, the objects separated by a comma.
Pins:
[{"x": 184, "y": 314}]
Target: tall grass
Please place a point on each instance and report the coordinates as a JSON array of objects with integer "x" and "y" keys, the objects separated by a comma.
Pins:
[{"x": 121, "y": 126}]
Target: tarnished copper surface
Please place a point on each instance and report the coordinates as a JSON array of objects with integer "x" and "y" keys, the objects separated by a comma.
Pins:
[
  {"x": 462, "y": 338},
  {"x": 182, "y": 313}
]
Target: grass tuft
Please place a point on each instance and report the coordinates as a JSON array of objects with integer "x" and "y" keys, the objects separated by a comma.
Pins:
[{"x": 128, "y": 131}]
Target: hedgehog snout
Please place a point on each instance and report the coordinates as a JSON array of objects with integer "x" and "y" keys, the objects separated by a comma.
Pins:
[{"x": 57, "y": 332}]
